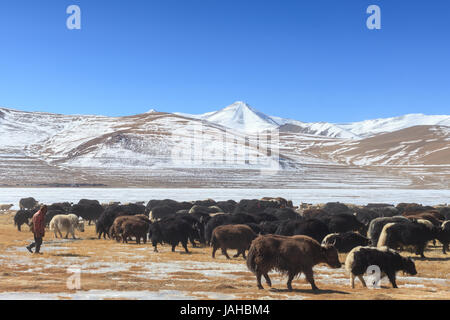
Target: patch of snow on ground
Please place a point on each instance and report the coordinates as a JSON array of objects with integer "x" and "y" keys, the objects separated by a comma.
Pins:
[
  {"x": 217, "y": 295},
  {"x": 99, "y": 295}
]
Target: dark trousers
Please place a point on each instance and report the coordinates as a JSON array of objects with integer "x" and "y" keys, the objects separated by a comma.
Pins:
[{"x": 37, "y": 243}]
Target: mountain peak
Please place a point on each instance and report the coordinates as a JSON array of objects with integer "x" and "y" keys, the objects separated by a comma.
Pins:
[
  {"x": 238, "y": 104},
  {"x": 241, "y": 116}
]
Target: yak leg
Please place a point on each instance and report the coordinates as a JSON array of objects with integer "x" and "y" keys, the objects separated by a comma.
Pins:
[
  {"x": 291, "y": 276},
  {"x": 266, "y": 276},
  {"x": 360, "y": 277},
  {"x": 239, "y": 252},
  {"x": 258, "y": 280},
  {"x": 310, "y": 277},
  {"x": 391, "y": 276},
  {"x": 184, "y": 243},
  {"x": 173, "y": 247},
  {"x": 224, "y": 252},
  {"x": 352, "y": 280},
  {"x": 420, "y": 250},
  {"x": 57, "y": 231},
  {"x": 191, "y": 239},
  {"x": 214, "y": 251}
]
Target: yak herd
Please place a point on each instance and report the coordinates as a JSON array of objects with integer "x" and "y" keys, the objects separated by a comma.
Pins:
[{"x": 277, "y": 235}]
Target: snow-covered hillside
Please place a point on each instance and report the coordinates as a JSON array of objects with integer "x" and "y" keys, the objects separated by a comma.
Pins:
[
  {"x": 369, "y": 128},
  {"x": 226, "y": 147}
]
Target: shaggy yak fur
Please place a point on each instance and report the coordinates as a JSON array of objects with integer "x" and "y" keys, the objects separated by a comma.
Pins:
[
  {"x": 289, "y": 255},
  {"x": 22, "y": 217},
  {"x": 135, "y": 227},
  {"x": 412, "y": 234},
  {"x": 389, "y": 262},
  {"x": 232, "y": 236},
  {"x": 116, "y": 231},
  {"x": 376, "y": 226},
  {"x": 171, "y": 231},
  {"x": 313, "y": 228},
  {"x": 344, "y": 242},
  {"x": 444, "y": 236}
]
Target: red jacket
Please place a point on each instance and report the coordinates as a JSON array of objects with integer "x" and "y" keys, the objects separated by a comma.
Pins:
[{"x": 39, "y": 224}]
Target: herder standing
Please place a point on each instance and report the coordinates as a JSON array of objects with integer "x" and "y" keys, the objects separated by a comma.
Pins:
[{"x": 38, "y": 229}]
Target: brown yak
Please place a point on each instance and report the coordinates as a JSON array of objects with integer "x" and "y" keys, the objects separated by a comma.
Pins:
[
  {"x": 232, "y": 236},
  {"x": 116, "y": 230},
  {"x": 289, "y": 255}
]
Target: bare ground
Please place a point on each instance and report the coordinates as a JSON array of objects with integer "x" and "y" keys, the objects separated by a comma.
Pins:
[{"x": 114, "y": 270}]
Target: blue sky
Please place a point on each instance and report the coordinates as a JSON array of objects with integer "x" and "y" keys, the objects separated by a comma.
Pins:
[{"x": 307, "y": 60}]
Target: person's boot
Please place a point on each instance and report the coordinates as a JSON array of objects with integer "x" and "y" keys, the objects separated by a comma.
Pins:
[{"x": 29, "y": 248}]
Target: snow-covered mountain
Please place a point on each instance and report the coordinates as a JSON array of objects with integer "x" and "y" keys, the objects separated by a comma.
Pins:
[
  {"x": 238, "y": 116},
  {"x": 139, "y": 150},
  {"x": 241, "y": 116},
  {"x": 369, "y": 128}
]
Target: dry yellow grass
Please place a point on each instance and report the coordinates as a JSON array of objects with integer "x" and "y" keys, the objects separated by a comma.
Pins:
[{"x": 108, "y": 265}]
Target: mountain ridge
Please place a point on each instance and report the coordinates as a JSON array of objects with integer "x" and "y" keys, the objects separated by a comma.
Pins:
[
  {"x": 231, "y": 117},
  {"x": 140, "y": 149}
]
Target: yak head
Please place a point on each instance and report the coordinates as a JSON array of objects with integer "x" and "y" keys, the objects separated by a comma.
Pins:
[
  {"x": 363, "y": 229},
  {"x": 409, "y": 266},
  {"x": 155, "y": 232},
  {"x": 199, "y": 231},
  {"x": 331, "y": 256},
  {"x": 80, "y": 225}
]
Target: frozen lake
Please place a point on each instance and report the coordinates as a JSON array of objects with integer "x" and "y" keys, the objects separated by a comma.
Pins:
[{"x": 356, "y": 196}]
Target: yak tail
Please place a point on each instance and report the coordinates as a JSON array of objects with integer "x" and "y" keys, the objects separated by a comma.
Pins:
[
  {"x": 383, "y": 236},
  {"x": 111, "y": 232},
  {"x": 210, "y": 240},
  {"x": 251, "y": 255},
  {"x": 213, "y": 240}
]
